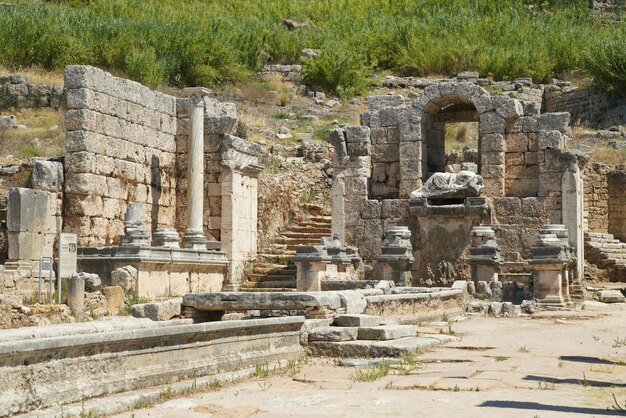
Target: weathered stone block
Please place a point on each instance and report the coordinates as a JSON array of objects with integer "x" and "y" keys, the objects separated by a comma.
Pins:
[
  {"x": 491, "y": 123},
  {"x": 354, "y": 133},
  {"x": 357, "y": 321},
  {"x": 550, "y": 139},
  {"x": 47, "y": 175},
  {"x": 333, "y": 334},
  {"x": 158, "y": 311},
  {"x": 492, "y": 143},
  {"x": 511, "y": 109},
  {"x": 395, "y": 208},
  {"x": 553, "y": 122},
  {"x": 387, "y": 332},
  {"x": 611, "y": 296},
  {"x": 382, "y": 102},
  {"x": 115, "y": 299},
  {"x": 517, "y": 143},
  {"x": 371, "y": 209}
]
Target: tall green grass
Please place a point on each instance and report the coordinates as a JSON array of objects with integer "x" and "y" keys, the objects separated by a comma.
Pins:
[{"x": 211, "y": 42}]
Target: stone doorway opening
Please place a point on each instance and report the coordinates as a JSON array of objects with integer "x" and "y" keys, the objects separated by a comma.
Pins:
[{"x": 450, "y": 125}]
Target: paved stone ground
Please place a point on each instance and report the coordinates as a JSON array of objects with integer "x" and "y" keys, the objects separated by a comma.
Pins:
[{"x": 555, "y": 365}]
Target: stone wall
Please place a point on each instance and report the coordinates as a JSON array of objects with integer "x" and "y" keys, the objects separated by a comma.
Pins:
[
  {"x": 400, "y": 145},
  {"x": 589, "y": 105},
  {"x": 120, "y": 148},
  {"x": 16, "y": 92},
  {"x": 596, "y": 197},
  {"x": 617, "y": 204}
]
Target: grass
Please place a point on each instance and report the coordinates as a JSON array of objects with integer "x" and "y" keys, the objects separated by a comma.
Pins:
[
  {"x": 371, "y": 374},
  {"x": 209, "y": 43},
  {"x": 44, "y": 135}
]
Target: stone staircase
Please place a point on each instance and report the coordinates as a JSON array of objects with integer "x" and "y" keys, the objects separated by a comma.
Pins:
[
  {"x": 273, "y": 269},
  {"x": 607, "y": 253},
  {"x": 369, "y": 336}
]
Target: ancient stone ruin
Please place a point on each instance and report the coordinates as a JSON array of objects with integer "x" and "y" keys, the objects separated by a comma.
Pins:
[{"x": 163, "y": 200}]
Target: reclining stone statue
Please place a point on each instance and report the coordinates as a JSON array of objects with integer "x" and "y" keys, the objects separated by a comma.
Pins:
[{"x": 450, "y": 185}]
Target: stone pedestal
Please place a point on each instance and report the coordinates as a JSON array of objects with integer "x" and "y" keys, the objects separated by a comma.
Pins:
[
  {"x": 569, "y": 271},
  {"x": 444, "y": 231},
  {"x": 168, "y": 238},
  {"x": 396, "y": 257},
  {"x": 194, "y": 237},
  {"x": 549, "y": 260},
  {"x": 330, "y": 260},
  {"x": 484, "y": 255},
  {"x": 134, "y": 231}
]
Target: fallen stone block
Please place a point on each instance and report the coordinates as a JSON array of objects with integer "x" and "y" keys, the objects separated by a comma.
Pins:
[
  {"x": 333, "y": 334},
  {"x": 387, "y": 332},
  {"x": 115, "y": 299},
  {"x": 611, "y": 296},
  {"x": 238, "y": 301},
  {"x": 369, "y": 349},
  {"x": 158, "y": 311},
  {"x": 360, "y": 362},
  {"x": 357, "y": 321}
]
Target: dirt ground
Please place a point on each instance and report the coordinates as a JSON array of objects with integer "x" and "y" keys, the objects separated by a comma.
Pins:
[{"x": 554, "y": 365}]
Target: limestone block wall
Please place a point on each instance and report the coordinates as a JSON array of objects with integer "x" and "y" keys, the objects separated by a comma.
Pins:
[
  {"x": 120, "y": 148},
  {"x": 596, "y": 197},
  {"x": 617, "y": 204},
  {"x": 589, "y": 105},
  {"x": 17, "y": 92}
]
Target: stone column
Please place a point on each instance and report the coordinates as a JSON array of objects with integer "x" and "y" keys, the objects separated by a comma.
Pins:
[
  {"x": 194, "y": 237},
  {"x": 76, "y": 294},
  {"x": 572, "y": 214}
]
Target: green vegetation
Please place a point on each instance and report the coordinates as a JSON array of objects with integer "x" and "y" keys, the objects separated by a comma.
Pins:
[
  {"x": 371, "y": 374},
  {"x": 208, "y": 43}
]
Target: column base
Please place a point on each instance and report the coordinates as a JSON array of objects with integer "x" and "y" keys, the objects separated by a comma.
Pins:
[
  {"x": 552, "y": 301},
  {"x": 194, "y": 240}
]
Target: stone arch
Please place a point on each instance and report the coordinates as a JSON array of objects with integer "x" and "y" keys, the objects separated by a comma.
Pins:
[{"x": 422, "y": 149}]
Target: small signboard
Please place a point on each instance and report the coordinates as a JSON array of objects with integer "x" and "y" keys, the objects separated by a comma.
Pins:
[
  {"x": 68, "y": 258},
  {"x": 68, "y": 254}
]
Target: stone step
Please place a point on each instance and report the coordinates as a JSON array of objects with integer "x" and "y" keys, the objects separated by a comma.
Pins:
[
  {"x": 298, "y": 241},
  {"x": 333, "y": 334},
  {"x": 387, "y": 332},
  {"x": 284, "y": 256},
  {"x": 372, "y": 349},
  {"x": 357, "y": 320},
  {"x": 273, "y": 277},
  {"x": 321, "y": 231},
  {"x": 599, "y": 235},
  {"x": 309, "y": 224},
  {"x": 268, "y": 285},
  {"x": 304, "y": 235}
]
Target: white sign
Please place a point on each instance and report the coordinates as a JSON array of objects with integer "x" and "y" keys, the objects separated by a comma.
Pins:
[{"x": 68, "y": 254}]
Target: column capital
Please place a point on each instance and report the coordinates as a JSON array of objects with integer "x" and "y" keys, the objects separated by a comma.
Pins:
[{"x": 196, "y": 91}]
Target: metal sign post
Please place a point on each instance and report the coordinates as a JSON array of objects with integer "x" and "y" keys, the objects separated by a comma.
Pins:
[
  {"x": 68, "y": 256},
  {"x": 45, "y": 264}
]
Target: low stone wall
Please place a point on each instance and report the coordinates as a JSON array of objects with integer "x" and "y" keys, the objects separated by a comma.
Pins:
[
  {"x": 16, "y": 92},
  {"x": 617, "y": 204},
  {"x": 46, "y": 370},
  {"x": 589, "y": 105},
  {"x": 596, "y": 196}
]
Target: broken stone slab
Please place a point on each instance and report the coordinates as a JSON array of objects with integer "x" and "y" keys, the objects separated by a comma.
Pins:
[
  {"x": 333, "y": 334},
  {"x": 359, "y": 362},
  {"x": 611, "y": 296},
  {"x": 235, "y": 301},
  {"x": 47, "y": 176},
  {"x": 369, "y": 349},
  {"x": 387, "y": 332},
  {"x": 357, "y": 321},
  {"x": 158, "y": 311}
]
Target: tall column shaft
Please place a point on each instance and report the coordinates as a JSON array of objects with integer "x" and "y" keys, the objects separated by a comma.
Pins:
[{"x": 194, "y": 234}]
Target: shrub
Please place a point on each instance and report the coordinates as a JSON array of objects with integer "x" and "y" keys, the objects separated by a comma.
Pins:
[
  {"x": 337, "y": 70},
  {"x": 606, "y": 62}
]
